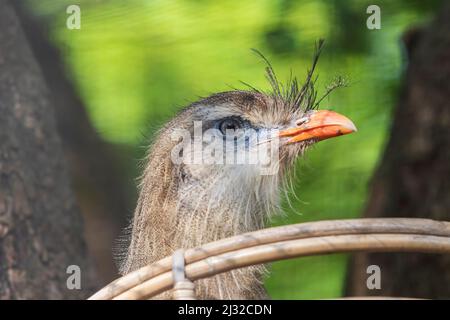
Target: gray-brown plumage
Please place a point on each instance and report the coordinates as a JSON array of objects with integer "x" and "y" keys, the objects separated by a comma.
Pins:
[{"x": 184, "y": 205}]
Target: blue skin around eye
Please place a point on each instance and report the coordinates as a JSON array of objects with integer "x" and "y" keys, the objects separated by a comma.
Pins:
[{"x": 250, "y": 139}]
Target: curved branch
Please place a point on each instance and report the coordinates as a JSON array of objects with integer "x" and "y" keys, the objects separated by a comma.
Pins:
[{"x": 391, "y": 234}]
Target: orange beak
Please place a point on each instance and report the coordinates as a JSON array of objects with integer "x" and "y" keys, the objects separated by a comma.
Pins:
[{"x": 319, "y": 125}]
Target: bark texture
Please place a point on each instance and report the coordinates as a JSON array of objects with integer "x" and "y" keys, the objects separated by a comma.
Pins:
[
  {"x": 95, "y": 166},
  {"x": 413, "y": 178},
  {"x": 41, "y": 231}
]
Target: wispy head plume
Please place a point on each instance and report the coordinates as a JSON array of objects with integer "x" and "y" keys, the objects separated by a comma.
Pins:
[{"x": 294, "y": 95}]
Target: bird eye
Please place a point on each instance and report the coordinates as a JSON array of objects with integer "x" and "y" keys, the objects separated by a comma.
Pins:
[{"x": 232, "y": 123}]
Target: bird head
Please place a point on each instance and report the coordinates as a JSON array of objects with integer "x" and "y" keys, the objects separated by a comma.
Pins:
[
  {"x": 239, "y": 146},
  {"x": 218, "y": 167},
  {"x": 245, "y": 130}
]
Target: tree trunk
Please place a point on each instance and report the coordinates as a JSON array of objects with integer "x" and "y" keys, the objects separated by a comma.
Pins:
[
  {"x": 94, "y": 165},
  {"x": 41, "y": 230},
  {"x": 413, "y": 179}
]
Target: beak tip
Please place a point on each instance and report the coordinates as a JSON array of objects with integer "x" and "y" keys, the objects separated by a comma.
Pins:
[{"x": 352, "y": 127}]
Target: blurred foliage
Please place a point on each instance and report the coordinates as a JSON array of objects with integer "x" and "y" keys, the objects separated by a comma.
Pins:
[{"x": 134, "y": 63}]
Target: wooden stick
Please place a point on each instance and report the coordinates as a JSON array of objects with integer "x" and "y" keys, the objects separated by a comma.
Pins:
[
  {"x": 270, "y": 235},
  {"x": 289, "y": 249}
]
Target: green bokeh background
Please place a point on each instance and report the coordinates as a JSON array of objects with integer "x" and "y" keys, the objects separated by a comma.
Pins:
[{"x": 135, "y": 63}]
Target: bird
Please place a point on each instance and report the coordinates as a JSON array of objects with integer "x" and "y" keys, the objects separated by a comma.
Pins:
[{"x": 185, "y": 201}]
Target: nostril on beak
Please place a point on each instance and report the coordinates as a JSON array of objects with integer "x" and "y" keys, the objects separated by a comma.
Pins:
[{"x": 301, "y": 121}]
